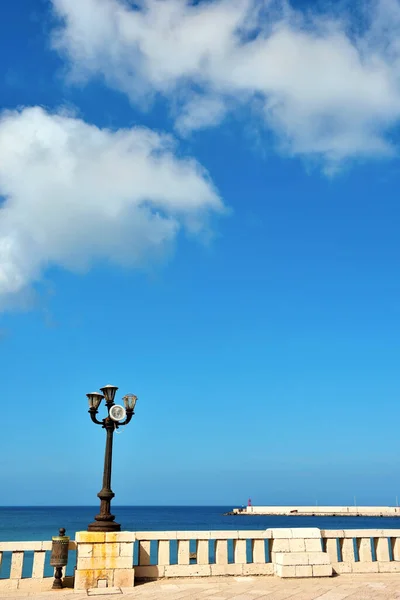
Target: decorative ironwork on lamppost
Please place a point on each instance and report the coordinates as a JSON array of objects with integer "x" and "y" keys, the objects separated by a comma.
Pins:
[{"x": 117, "y": 416}]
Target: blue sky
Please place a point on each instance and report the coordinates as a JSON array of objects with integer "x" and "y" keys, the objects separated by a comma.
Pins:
[{"x": 207, "y": 219}]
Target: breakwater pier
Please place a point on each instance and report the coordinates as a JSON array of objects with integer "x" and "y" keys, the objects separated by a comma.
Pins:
[{"x": 326, "y": 511}]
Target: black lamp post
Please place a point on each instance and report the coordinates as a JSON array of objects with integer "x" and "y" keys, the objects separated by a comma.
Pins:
[{"x": 117, "y": 416}]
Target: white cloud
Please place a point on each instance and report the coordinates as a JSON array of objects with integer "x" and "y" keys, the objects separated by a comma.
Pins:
[
  {"x": 199, "y": 112},
  {"x": 75, "y": 194},
  {"x": 329, "y": 87}
]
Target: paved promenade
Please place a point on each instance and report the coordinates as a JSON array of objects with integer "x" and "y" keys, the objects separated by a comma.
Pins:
[{"x": 349, "y": 587}]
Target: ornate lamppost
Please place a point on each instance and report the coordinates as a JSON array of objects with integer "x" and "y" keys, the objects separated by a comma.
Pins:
[{"x": 116, "y": 417}]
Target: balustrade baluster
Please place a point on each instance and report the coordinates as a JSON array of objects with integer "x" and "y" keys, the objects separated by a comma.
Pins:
[
  {"x": 221, "y": 552},
  {"x": 395, "y": 548},
  {"x": 382, "y": 549},
  {"x": 364, "y": 549},
  {"x": 144, "y": 553},
  {"x": 38, "y": 564},
  {"x": 164, "y": 557},
  {"x": 258, "y": 551},
  {"x": 203, "y": 552},
  {"x": 240, "y": 551},
  {"x": 17, "y": 562},
  {"x": 347, "y": 550},
  {"x": 183, "y": 552},
  {"x": 332, "y": 550}
]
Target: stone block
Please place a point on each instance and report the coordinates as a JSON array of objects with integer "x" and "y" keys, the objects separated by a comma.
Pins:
[
  {"x": 8, "y": 584},
  {"x": 159, "y": 535},
  {"x": 313, "y": 545},
  {"x": 126, "y": 549},
  {"x": 280, "y": 545},
  {"x": 187, "y": 570},
  {"x": 124, "y": 578},
  {"x": 254, "y": 534},
  {"x": 258, "y": 569},
  {"x": 90, "y": 563},
  {"x": 360, "y": 533},
  {"x": 306, "y": 532},
  {"x": 390, "y": 533},
  {"x": 20, "y": 546},
  {"x": 87, "y": 578},
  {"x": 342, "y": 567},
  {"x": 150, "y": 572},
  {"x": 388, "y": 567},
  {"x": 332, "y": 533},
  {"x": 322, "y": 570},
  {"x": 85, "y": 550},
  {"x": 318, "y": 558},
  {"x": 304, "y": 571},
  {"x": 285, "y": 571},
  {"x": 297, "y": 545},
  {"x": 36, "y": 585},
  {"x": 121, "y": 536},
  {"x": 291, "y": 558},
  {"x": 231, "y": 569},
  {"x": 120, "y": 562},
  {"x": 201, "y": 535},
  {"x": 223, "y": 535},
  {"x": 90, "y": 537},
  {"x": 104, "y": 562},
  {"x": 280, "y": 533},
  {"x": 47, "y": 545},
  {"x": 365, "y": 567},
  {"x": 107, "y": 549}
]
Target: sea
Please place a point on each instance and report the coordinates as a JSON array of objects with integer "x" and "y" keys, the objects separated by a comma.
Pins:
[{"x": 42, "y": 522}]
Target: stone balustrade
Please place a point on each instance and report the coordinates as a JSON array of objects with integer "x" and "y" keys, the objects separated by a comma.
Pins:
[
  {"x": 297, "y": 552},
  {"x": 363, "y": 550},
  {"x": 116, "y": 559},
  {"x": 203, "y": 553},
  {"x": 12, "y": 576}
]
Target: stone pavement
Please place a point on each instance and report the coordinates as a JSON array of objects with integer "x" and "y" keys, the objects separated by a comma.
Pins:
[{"x": 349, "y": 587}]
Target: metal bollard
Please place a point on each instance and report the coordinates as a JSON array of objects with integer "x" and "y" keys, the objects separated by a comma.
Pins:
[{"x": 59, "y": 557}]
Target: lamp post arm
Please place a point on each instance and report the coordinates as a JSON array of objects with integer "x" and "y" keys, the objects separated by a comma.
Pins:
[
  {"x": 93, "y": 413},
  {"x": 129, "y": 415}
]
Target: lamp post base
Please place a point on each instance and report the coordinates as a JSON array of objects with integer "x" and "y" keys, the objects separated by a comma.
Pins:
[{"x": 104, "y": 526}]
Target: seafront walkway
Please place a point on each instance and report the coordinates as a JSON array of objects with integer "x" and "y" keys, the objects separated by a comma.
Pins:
[{"x": 345, "y": 587}]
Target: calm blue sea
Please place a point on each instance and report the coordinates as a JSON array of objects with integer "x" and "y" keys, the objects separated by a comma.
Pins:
[{"x": 41, "y": 523}]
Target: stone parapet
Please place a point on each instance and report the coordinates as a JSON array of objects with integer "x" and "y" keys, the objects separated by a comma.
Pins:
[
  {"x": 104, "y": 560},
  {"x": 113, "y": 560}
]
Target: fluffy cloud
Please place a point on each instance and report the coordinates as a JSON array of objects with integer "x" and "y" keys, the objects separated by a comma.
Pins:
[
  {"x": 326, "y": 86},
  {"x": 74, "y": 193}
]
